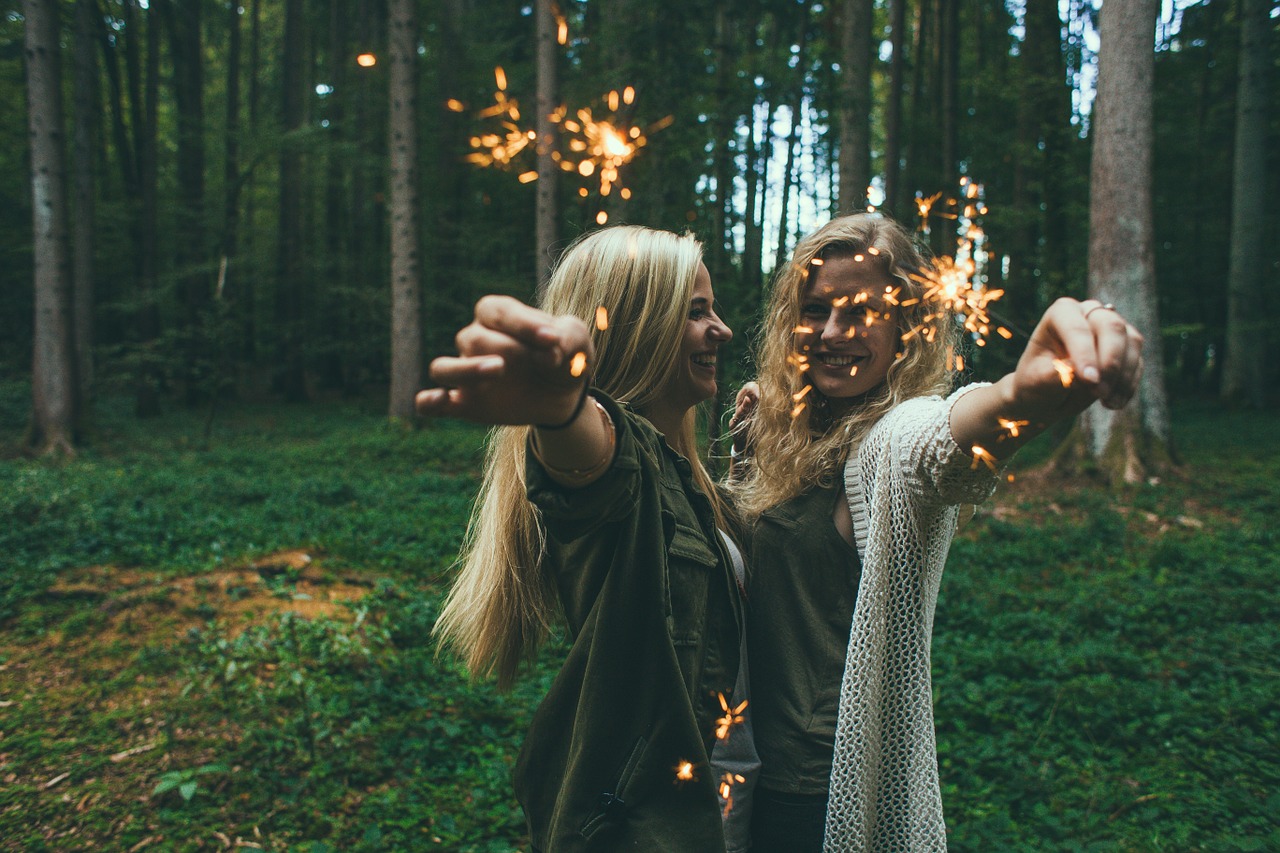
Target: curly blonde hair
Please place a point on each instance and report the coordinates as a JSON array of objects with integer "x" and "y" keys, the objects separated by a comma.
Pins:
[
  {"x": 791, "y": 452},
  {"x": 502, "y": 605}
]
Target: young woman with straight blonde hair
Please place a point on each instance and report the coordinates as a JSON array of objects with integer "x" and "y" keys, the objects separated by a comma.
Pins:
[
  {"x": 854, "y": 467},
  {"x": 596, "y": 510}
]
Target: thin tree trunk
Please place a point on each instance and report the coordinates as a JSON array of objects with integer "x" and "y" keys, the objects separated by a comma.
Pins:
[
  {"x": 86, "y": 121},
  {"x": 1242, "y": 373},
  {"x": 893, "y": 109},
  {"x": 290, "y": 381},
  {"x": 147, "y": 379},
  {"x": 855, "y": 104},
  {"x": 547, "y": 212},
  {"x": 1134, "y": 444},
  {"x": 53, "y": 374},
  {"x": 406, "y": 285}
]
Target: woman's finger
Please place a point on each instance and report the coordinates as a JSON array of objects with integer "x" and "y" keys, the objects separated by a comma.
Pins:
[
  {"x": 527, "y": 324},
  {"x": 449, "y": 370},
  {"x": 1112, "y": 345}
]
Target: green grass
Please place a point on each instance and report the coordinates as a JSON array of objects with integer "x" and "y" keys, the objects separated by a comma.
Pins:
[{"x": 230, "y": 640}]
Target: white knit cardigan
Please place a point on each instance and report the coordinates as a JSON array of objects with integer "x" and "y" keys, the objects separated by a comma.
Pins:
[{"x": 904, "y": 484}]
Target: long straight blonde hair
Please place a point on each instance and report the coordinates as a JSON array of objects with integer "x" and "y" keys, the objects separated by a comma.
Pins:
[
  {"x": 792, "y": 451},
  {"x": 502, "y": 604}
]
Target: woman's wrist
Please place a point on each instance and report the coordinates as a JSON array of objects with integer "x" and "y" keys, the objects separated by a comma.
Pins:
[{"x": 577, "y": 409}]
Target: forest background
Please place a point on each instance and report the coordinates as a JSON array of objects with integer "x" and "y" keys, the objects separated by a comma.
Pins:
[{"x": 223, "y": 547}]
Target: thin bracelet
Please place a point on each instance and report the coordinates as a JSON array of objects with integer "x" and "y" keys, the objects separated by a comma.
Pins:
[{"x": 577, "y": 409}]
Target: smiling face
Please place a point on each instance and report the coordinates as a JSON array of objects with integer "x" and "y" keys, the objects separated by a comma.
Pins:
[
  {"x": 848, "y": 329},
  {"x": 694, "y": 378}
]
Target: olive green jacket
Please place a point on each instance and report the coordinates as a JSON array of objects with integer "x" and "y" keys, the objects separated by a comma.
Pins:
[{"x": 655, "y": 620}]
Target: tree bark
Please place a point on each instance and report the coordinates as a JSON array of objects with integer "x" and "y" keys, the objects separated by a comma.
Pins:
[
  {"x": 1132, "y": 445},
  {"x": 547, "y": 212},
  {"x": 53, "y": 375},
  {"x": 290, "y": 380},
  {"x": 86, "y": 112},
  {"x": 1242, "y": 370},
  {"x": 406, "y": 286},
  {"x": 855, "y": 104},
  {"x": 893, "y": 109}
]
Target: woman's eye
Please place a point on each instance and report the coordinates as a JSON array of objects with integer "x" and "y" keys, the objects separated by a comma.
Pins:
[{"x": 814, "y": 309}]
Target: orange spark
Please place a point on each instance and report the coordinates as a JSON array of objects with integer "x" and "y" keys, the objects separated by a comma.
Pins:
[
  {"x": 726, "y": 789},
  {"x": 366, "y": 60},
  {"x": 684, "y": 772},
  {"x": 732, "y": 716},
  {"x": 981, "y": 455},
  {"x": 578, "y": 364},
  {"x": 796, "y": 397},
  {"x": 454, "y": 105},
  {"x": 528, "y": 177},
  {"x": 795, "y": 413},
  {"x": 602, "y": 318},
  {"x": 1066, "y": 372},
  {"x": 1012, "y": 426}
]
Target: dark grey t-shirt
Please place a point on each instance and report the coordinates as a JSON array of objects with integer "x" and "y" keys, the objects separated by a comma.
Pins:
[{"x": 802, "y": 590}]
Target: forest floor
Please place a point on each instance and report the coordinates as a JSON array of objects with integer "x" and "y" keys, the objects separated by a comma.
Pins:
[{"x": 225, "y": 644}]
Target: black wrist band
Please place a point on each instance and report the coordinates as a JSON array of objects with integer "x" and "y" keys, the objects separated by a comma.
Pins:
[{"x": 577, "y": 409}]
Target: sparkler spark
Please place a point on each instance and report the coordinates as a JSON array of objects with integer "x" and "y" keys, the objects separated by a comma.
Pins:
[
  {"x": 1066, "y": 372},
  {"x": 578, "y": 364},
  {"x": 684, "y": 772},
  {"x": 732, "y": 716},
  {"x": 1012, "y": 426},
  {"x": 602, "y": 318},
  {"x": 581, "y": 145},
  {"x": 727, "y": 782},
  {"x": 981, "y": 455}
]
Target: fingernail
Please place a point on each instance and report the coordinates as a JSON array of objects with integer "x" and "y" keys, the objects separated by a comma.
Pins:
[
  {"x": 491, "y": 363},
  {"x": 1090, "y": 374}
]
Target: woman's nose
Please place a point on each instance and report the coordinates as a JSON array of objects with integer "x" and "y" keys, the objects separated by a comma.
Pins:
[
  {"x": 833, "y": 330},
  {"x": 720, "y": 330}
]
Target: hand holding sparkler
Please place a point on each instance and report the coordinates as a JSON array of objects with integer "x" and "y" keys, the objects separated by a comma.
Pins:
[
  {"x": 1079, "y": 352},
  {"x": 516, "y": 365}
]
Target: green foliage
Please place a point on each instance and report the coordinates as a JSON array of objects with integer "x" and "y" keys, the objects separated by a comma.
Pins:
[{"x": 1104, "y": 665}]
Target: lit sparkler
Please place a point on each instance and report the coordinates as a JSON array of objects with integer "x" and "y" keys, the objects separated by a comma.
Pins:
[
  {"x": 732, "y": 716},
  {"x": 684, "y": 772},
  {"x": 1066, "y": 373},
  {"x": 980, "y": 454},
  {"x": 727, "y": 782},
  {"x": 1011, "y": 426}
]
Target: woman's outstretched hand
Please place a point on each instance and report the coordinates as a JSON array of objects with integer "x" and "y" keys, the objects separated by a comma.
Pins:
[
  {"x": 1079, "y": 352},
  {"x": 515, "y": 365}
]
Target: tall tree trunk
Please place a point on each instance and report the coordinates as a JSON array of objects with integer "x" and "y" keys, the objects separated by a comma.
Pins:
[
  {"x": 1132, "y": 444},
  {"x": 949, "y": 96},
  {"x": 893, "y": 109},
  {"x": 1242, "y": 370},
  {"x": 86, "y": 122},
  {"x": 753, "y": 240},
  {"x": 147, "y": 107},
  {"x": 855, "y": 103},
  {"x": 53, "y": 374},
  {"x": 183, "y": 22},
  {"x": 406, "y": 286},
  {"x": 547, "y": 213},
  {"x": 291, "y": 380}
]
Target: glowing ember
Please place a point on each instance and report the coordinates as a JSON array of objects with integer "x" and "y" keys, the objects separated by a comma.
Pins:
[
  {"x": 796, "y": 397},
  {"x": 981, "y": 455},
  {"x": 684, "y": 772},
  {"x": 1066, "y": 372},
  {"x": 727, "y": 782},
  {"x": 578, "y": 364},
  {"x": 366, "y": 60},
  {"x": 732, "y": 716},
  {"x": 1012, "y": 426},
  {"x": 602, "y": 318},
  {"x": 795, "y": 413}
]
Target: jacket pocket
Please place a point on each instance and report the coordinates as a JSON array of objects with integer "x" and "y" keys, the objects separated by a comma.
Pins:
[{"x": 611, "y": 807}]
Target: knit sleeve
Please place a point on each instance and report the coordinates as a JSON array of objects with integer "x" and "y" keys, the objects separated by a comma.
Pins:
[{"x": 916, "y": 440}]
